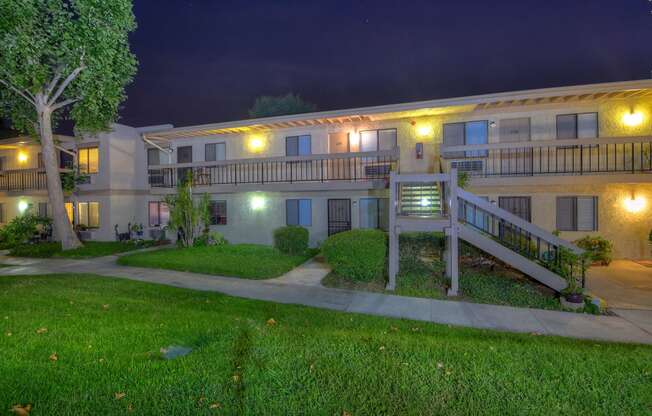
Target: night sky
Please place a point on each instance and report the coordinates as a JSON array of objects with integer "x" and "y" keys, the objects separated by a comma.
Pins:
[{"x": 204, "y": 61}]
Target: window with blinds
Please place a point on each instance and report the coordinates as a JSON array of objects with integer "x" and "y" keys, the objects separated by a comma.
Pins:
[
  {"x": 88, "y": 159},
  {"x": 89, "y": 214},
  {"x": 577, "y": 213},
  {"x": 214, "y": 152},
  {"x": 577, "y": 126},
  {"x": 298, "y": 145},
  {"x": 217, "y": 210},
  {"x": 298, "y": 212}
]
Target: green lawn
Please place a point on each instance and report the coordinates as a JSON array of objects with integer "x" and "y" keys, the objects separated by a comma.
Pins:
[
  {"x": 107, "y": 333},
  {"x": 90, "y": 249},
  {"x": 498, "y": 287},
  {"x": 249, "y": 261}
]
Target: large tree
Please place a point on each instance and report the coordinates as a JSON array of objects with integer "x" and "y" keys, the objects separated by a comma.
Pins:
[
  {"x": 268, "y": 106},
  {"x": 63, "y": 58}
]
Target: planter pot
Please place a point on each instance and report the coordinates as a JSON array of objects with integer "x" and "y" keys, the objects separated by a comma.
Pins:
[{"x": 573, "y": 301}]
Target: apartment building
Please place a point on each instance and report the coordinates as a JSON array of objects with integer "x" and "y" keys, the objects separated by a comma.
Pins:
[{"x": 574, "y": 159}]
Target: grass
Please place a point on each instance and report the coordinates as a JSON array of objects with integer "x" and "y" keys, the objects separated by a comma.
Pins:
[
  {"x": 88, "y": 250},
  {"x": 250, "y": 261},
  {"x": 107, "y": 334},
  {"x": 498, "y": 287}
]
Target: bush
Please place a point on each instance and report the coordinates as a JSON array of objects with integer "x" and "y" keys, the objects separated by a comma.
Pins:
[
  {"x": 39, "y": 250},
  {"x": 291, "y": 239},
  {"x": 600, "y": 250},
  {"x": 211, "y": 238},
  {"x": 23, "y": 228},
  {"x": 414, "y": 246},
  {"x": 357, "y": 254}
]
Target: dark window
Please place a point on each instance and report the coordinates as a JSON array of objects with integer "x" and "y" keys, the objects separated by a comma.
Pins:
[
  {"x": 2, "y": 213},
  {"x": 39, "y": 158},
  {"x": 517, "y": 205},
  {"x": 66, "y": 160},
  {"x": 184, "y": 154},
  {"x": 577, "y": 126},
  {"x": 298, "y": 212},
  {"x": 153, "y": 157},
  {"x": 43, "y": 209},
  {"x": 217, "y": 211},
  {"x": 374, "y": 213},
  {"x": 159, "y": 213},
  {"x": 298, "y": 145},
  {"x": 577, "y": 213},
  {"x": 214, "y": 152}
]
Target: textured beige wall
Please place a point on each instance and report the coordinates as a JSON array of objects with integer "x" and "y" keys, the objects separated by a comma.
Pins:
[{"x": 627, "y": 230}]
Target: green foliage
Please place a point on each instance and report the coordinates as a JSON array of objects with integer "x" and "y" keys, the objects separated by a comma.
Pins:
[
  {"x": 46, "y": 40},
  {"x": 267, "y": 106},
  {"x": 210, "y": 238},
  {"x": 88, "y": 250},
  {"x": 600, "y": 250},
  {"x": 70, "y": 180},
  {"x": 249, "y": 261},
  {"x": 415, "y": 246},
  {"x": 292, "y": 239},
  {"x": 190, "y": 216},
  {"x": 357, "y": 254},
  {"x": 22, "y": 228},
  {"x": 463, "y": 179}
]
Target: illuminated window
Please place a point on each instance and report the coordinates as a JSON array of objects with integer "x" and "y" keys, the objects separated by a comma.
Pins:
[
  {"x": 88, "y": 158},
  {"x": 374, "y": 140},
  {"x": 69, "y": 210},
  {"x": 159, "y": 214},
  {"x": 89, "y": 214}
]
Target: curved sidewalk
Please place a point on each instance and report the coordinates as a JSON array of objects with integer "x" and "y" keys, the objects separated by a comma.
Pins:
[{"x": 299, "y": 287}]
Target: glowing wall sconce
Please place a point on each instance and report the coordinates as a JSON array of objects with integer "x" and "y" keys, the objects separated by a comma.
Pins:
[
  {"x": 22, "y": 157},
  {"x": 22, "y": 206},
  {"x": 634, "y": 204},
  {"x": 424, "y": 130},
  {"x": 256, "y": 144},
  {"x": 633, "y": 119},
  {"x": 257, "y": 203}
]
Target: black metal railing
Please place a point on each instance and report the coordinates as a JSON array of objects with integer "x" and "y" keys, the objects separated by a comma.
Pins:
[
  {"x": 317, "y": 168},
  {"x": 567, "y": 157},
  {"x": 549, "y": 254},
  {"x": 22, "y": 179}
]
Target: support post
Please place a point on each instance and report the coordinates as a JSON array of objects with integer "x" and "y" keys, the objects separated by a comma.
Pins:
[
  {"x": 452, "y": 240},
  {"x": 393, "y": 233}
]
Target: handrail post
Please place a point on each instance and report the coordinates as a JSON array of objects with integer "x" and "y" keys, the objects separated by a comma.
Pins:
[
  {"x": 393, "y": 233},
  {"x": 452, "y": 241}
]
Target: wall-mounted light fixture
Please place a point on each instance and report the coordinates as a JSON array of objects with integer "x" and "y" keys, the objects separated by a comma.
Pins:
[
  {"x": 22, "y": 206},
  {"x": 633, "y": 118},
  {"x": 256, "y": 144},
  {"x": 257, "y": 203},
  {"x": 424, "y": 130},
  {"x": 22, "y": 156},
  {"x": 634, "y": 204}
]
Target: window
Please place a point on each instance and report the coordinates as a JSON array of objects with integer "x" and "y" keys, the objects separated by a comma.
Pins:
[
  {"x": 70, "y": 211},
  {"x": 153, "y": 157},
  {"x": 298, "y": 145},
  {"x": 89, "y": 214},
  {"x": 184, "y": 154},
  {"x": 88, "y": 158},
  {"x": 217, "y": 211},
  {"x": 2, "y": 213},
  {"x": 577, "y": 213},
  {"x": 214, "y": 152},
  {"x": 470, "y": 132},
  {"x": 374, "y": 213},
  {"x": 515, "y": 130},
  {"x": 42, "y": 209},
  {"x": 374, "y": 140},
  {"x": 577, "y": 126},
  {"x": 298, "y": 212},
  {"x": 517, "y": 205},
  {"x": 159, "y": 214},
  {"x": 66, "y": 160},
  {"x": 39, "y": 160}
]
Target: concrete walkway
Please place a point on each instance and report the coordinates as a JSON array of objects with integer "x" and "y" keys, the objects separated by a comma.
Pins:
[
  {"x": 298, "y": 287},
  {"x": 623, "y": 284}
]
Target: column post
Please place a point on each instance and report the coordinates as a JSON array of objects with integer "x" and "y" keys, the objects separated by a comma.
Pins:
[
  {"x": 452, "y": 240},
  {"x": 393, "y": 233}
]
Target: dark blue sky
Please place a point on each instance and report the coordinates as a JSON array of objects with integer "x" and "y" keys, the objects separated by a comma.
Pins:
[{"x": 205, "y": 61}]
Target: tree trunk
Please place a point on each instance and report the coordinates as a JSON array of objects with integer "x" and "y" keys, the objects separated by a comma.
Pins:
[{"x": 62, "y": 226}]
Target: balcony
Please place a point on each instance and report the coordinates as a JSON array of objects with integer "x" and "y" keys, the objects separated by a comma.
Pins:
[
  {"x": 23, "y": 180},
  {"x": 339, "y": 167},
  {"x": 615, "y": 155}
]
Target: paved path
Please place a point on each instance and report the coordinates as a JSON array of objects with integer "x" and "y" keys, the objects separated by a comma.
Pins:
[
  {"x": 624, "y": 284},
  {"x": 295, "y": 288}
]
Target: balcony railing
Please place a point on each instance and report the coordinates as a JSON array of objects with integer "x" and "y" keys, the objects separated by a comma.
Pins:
[
  {"x": 22, "y": 179},
  {"x": 553, "y": 157},
  {"x": 354, "y": 167}
]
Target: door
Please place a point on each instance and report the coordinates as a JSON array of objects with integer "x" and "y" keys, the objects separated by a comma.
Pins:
[{"x": 339, "y": 215}]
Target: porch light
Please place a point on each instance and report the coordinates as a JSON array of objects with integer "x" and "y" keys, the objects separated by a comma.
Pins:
[
  {"x": 22, "y": 206},
  {"x": 634, "y": 204},
  {"x": 633, "y": 119},
  {"x": 424, "y": 130},
  {"x": 22, "y": 157},
  {"x": 257, "y": 203},
  {"x": 256, "y": 144}
]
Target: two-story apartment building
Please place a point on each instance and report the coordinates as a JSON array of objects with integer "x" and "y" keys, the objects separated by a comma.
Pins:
[{"x": 574, "y": 159}]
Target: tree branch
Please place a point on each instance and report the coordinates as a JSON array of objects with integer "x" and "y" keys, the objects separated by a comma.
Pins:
[
  {"x": 26, "y": 95},
  {"x": 53, "y": 83},
  {"x": 70, "y": 78},
  {"x": 64, "y": 103}
]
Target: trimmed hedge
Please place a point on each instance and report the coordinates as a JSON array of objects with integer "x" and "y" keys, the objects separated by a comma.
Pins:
[
  {"x": 359, "y": 255},
  {"x": 291, "y": 239}
]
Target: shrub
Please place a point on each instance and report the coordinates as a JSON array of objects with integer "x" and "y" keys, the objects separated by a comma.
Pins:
[
  {"x": 292, "y": 239},
  {"x": 39, "y": 250},
  {"x": 22, "y": 228},
  {"x": 357, "y": 254},
  {"x": 416, "y": 245},
  {"x": 210, "y": 238},
  {"x": 600, "y": 250}
]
